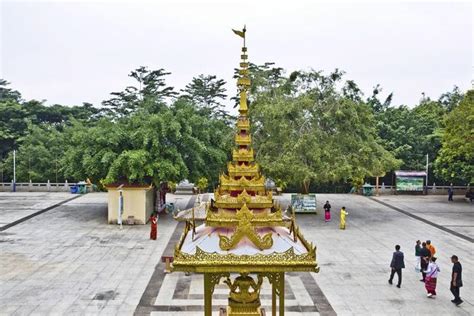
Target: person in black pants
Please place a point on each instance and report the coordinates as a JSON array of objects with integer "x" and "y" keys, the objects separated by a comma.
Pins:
[
  {"x": 425, "y": 255},
  {"x": 456, "y": 280},
  {"x": 450, "y": 193},
  {"x": 397, "y": 265}
]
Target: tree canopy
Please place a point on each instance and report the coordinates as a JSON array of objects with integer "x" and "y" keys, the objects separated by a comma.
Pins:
[
  {"x": 307, "y": 130},
  {"x": 455, "y": 161},
  {"x": 308, "y": 127}
]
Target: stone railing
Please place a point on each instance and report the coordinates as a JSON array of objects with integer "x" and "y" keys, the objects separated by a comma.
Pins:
[
  {"x": 432, "y": 189},
  {"x": 36, "y": 186}
]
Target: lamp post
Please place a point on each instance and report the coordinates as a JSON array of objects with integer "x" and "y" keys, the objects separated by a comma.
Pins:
[
  {"x": 120, "y": 208},
  {"x": 426, "y": 174},
  {"x": 14, "y": 170}
]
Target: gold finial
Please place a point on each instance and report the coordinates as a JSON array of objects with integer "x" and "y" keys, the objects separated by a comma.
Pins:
[
  {"x": 241, "y": 33},
  {"x": 243, "y": 82}
]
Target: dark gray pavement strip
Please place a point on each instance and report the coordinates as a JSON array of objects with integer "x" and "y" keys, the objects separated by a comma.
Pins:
[
  {"x": 147, "y": 301},
  {"x": 145, "y": 306},
  {"x": 318, "y": 297},
  {"x": 21, "y": 220},
  {"x": 443, "y": 228}
]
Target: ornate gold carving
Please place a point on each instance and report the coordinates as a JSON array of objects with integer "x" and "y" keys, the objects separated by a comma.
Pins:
[
  {"x": 215, "y": 278},
  {"x": 236, "y": 170},
  {"x": 229, "y": 183},
  {"x": 235, "y": 202},
  {"x": 242, "y": 154},
  {"x": 243, "y": 123},
  {"x": 227, "y": 218},
  {"x": 275, "y": 279},
  {"x": 243, "y": 139},
  {"x": 244, "y": 289},
  {"x": 202, "y": 261},
  {"x": 245, "y": 229}
]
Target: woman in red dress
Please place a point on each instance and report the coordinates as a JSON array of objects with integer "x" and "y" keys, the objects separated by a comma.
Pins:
[{"x": 154, "y": 225}]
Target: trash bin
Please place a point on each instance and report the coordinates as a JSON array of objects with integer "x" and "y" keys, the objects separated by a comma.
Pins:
[
  {"x": 73, "y": 189},
  {"x": 367, "y": 189},
  {"x": 81, "y": 188}
]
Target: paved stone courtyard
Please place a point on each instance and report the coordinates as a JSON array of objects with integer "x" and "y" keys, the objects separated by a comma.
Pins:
[{"x": 67, "y": 260}]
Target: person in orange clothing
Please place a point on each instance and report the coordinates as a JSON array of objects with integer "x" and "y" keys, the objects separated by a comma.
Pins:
[
  {"x": 431, "y": 248},
  {"x": 154, "y": 225}
]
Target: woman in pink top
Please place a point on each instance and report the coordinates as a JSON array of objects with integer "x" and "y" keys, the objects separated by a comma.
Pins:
[{"x": 431, "y": 277}]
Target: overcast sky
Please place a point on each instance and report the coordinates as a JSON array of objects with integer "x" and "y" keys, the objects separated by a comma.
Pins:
[{"x": 74, "y": 52}]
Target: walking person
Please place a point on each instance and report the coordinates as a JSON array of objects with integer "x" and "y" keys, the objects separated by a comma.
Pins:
[
  {"x": 327, "y": 212},
  {"x": 153, "y": 225},
  {"x": 450, "y": 193},
  {"x": 456, "y": 280},
  {"x": 342, "y": 224},
  {"x": 431, "y": 277},
  {"x": 417, "y": 256},
  {"x": 425, "y": 255},
  {"x": 397, "y": 264}
]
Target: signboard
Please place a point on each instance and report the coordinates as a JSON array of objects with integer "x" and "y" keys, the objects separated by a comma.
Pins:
[
  {"x": 304, "y": 203},
  {"x": 409, "y": 183}
]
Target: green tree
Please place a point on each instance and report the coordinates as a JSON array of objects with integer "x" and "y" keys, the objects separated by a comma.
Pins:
[
  {"x": 151, "y": 94},
  {"x": 455, "y": 161},
  {"x": 208, "y": 93},
  {"x": 7, "y": 94},
  {"x": 13, "y": 125},
  {"x": 202, "y": 184},
  {"x": 90, "y": 150},
  {"x": 306, "y": 130},
  {"x": 451, "y": 99},
  {"x": 39, "y": 156}
]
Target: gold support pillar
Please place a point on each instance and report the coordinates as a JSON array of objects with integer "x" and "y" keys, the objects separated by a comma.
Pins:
[
  {"x": 208, "y": 289},
  {"x": 274, "y": 301},
  {"x": 277, "y": 280},
  {"x": 282, "y": 294}
]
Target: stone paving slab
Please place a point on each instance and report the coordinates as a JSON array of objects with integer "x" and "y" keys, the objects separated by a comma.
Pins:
[
  {"x": 17, "y": 205},
  {"x": 355, "y": 262},
  {"x": 70, "y": 261},
  {"x": 457, "y": 215}
]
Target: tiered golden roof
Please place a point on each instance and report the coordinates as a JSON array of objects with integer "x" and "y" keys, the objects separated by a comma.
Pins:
[{"x": 244, "y": 186}]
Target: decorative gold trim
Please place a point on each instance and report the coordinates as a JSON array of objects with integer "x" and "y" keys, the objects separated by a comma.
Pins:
[
  {"x": 236, "y": 202},
  {"x": 243, "y": 123},
  {"x": 203, "y": 261},
  {"x": 242, "y": 154},
  {"x": 243, "y": 139},
  {"x": 242, "y": 182}
]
